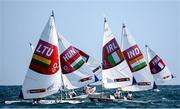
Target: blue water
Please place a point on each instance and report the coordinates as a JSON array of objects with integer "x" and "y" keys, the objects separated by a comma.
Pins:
[{"x": 168, "y": 97}]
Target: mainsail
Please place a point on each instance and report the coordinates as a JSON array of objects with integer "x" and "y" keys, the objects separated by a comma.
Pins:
[
  {"x": 91, "y": 62},
  {"x": 116, "y": 72},
  {"x": 76, "y": 73},
  {"x": 159, "y": 70},
  {"x": 43, "y": 76},
  {"x": 143, "y": 80}
]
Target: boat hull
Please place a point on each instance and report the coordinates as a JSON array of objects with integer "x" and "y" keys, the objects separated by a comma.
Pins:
[{"x": 94, "y": 99}]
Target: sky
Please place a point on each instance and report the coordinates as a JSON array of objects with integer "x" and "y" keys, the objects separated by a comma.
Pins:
[{"x": 152, "y": 22}]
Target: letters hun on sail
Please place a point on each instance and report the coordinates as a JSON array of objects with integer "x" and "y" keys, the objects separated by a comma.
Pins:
[
  {"x": 43, "y": 76},
  {"x": 143, "y": 79},
  {"x": 159, "y": 70},
  {"x": 116, "y": 72},
  {"x": 76, "y": 73}
]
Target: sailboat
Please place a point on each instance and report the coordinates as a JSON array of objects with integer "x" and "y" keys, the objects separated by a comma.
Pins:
[
  {"x": 43, "y": 76},
  {"x": 75, "y": 71},
  {"x": 90, "y": 61},
  {"x": 115, "y": 73},
  {"x": 143, "y": 80},
  {"x": 159, "y": 69}
]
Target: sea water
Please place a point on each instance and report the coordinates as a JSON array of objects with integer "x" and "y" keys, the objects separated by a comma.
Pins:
[{"x": 168, "y": 97}]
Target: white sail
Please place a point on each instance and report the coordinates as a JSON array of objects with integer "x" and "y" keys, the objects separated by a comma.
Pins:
[
  {"x": 43, "y": 76},
  {"x": 91, "y": 62},
  {"x": 159, "y": 70},
  {"x": 76, "y": 73},
  {"x": 116, "y": 72},
  {"x": 143, "y": 80}
]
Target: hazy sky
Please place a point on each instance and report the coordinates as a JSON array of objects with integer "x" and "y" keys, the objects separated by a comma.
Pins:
[{"x": 152, "y": 22}]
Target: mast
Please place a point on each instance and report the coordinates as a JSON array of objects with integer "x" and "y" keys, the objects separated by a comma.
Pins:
[
  {"x": 147, "y": 59},
  {"x": 146, "y": 53},
  {"x": 122, "y": 34},
  {"x": 52, "y": 14},
  {"x": 102, "y": 86}
]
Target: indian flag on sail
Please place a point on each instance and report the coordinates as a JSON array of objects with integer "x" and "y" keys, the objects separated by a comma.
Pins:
[
  {"x": 135, "y": 58},
  {"x": 137, "y": 63}
]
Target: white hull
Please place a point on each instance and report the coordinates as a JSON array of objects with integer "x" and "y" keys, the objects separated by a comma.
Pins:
[{"x": 46, "y": 101}]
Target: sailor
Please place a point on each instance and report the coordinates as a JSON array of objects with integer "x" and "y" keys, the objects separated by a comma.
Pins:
[
  {"x": 89, "y": 90},
  {"x": 129, "y": 95},
  {"x": 118, "y": 94},
  {"x": 72, "y": 93},
  {"x": 156, "y": 90},
  {"x": 36, "y": 100}
]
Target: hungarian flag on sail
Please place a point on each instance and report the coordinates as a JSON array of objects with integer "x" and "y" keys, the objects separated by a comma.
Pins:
[
  {"x": 156, "y": 65},
  {"x": 45, "y": 59},
  {"x": 70, "y": 60},
  {"x": 112, "y": 54},
  {"x": 84, "y": 55},
  {"x": 135, "y": 58}
]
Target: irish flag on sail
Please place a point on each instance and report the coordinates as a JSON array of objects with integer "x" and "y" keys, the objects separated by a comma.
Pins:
[
  {"x": 135, "y": 58},
  {"x": 112, "y": 54},
  {"x": 115, "y": 57}
]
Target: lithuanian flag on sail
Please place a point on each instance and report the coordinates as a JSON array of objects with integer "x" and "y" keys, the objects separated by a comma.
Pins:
[
  {"x": 71, "y": 60},
  {"x": 112, "y": 54},
  {"x": 45, "y": 59},
  {"x": 135, "y": 58}
]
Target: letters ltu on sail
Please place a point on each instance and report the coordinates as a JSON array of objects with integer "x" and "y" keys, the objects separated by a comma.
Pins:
[
  {"x": 143, "y": 80},
  {"x": 43, "y": 76}
]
